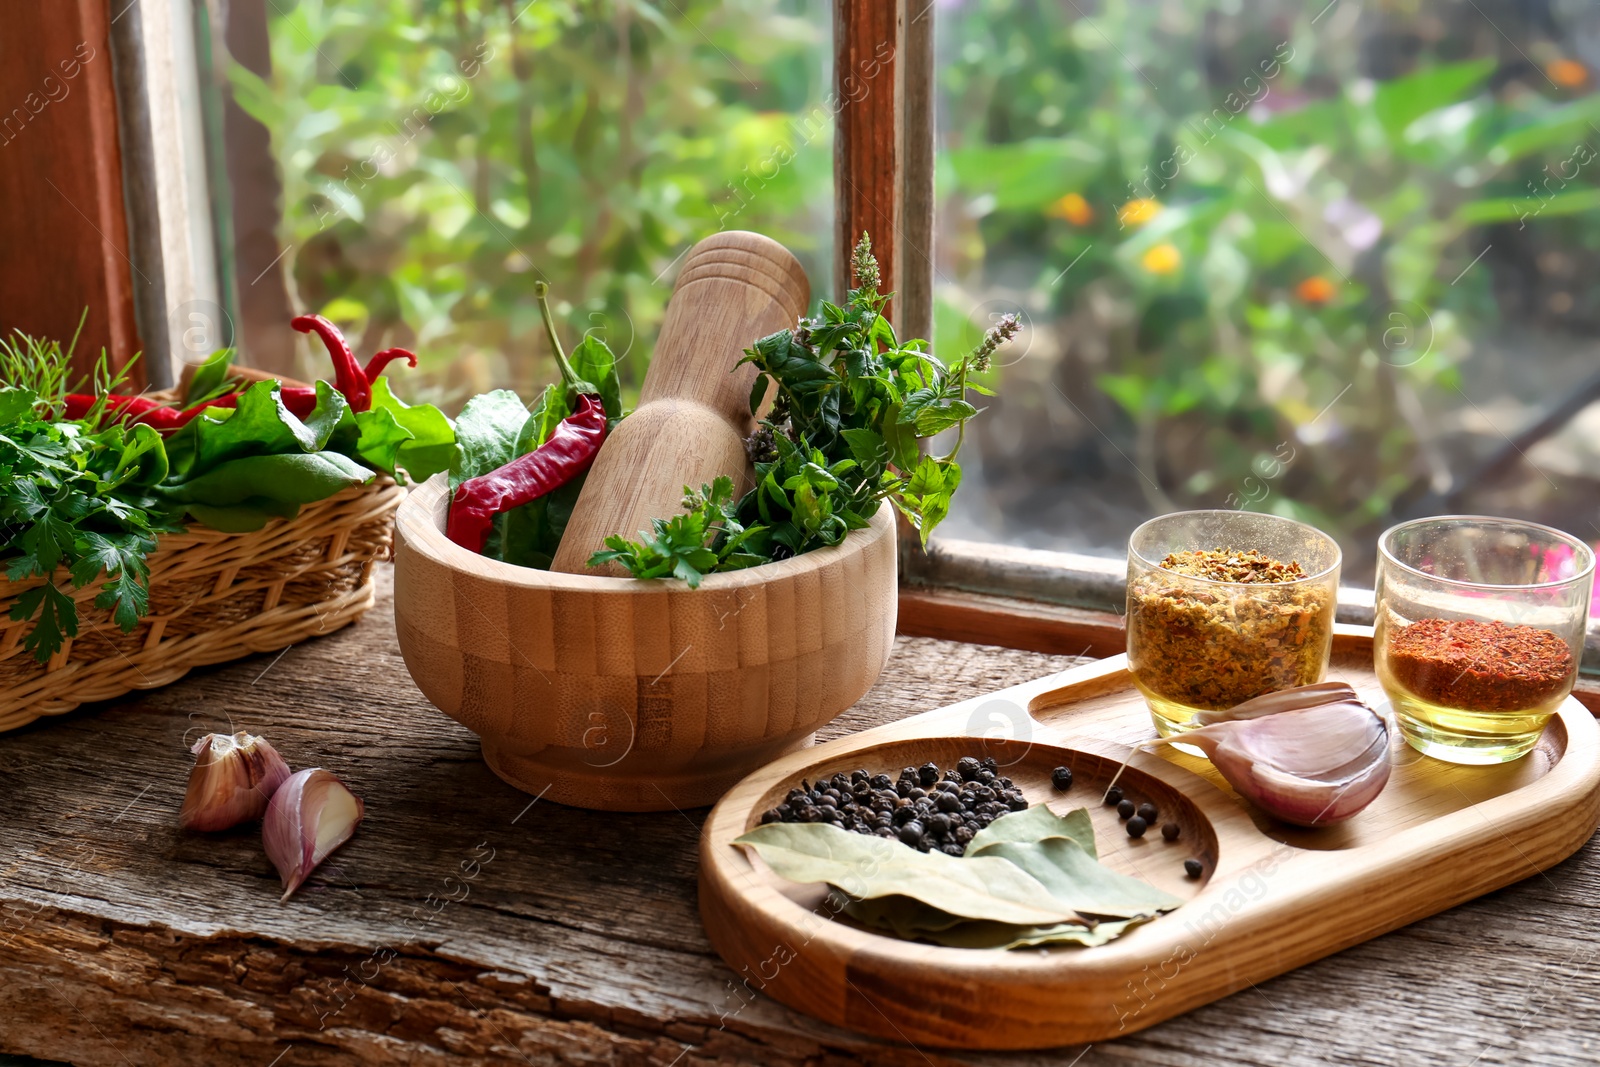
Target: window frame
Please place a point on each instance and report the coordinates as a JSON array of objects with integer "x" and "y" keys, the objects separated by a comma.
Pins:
[
  {"x": 884, "y": 181},
  {"x": 968, "y": 590}
]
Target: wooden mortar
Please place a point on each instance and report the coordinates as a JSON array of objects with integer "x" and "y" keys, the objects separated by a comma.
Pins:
[
  {"x": 639, "y": 695},
  {"x": 694, "y": 408}
]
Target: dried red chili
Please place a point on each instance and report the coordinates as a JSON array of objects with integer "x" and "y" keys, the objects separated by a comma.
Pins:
[
  {"x": 1480, "y": 666},
  {"x": 352, "y": 380},
  {"x": 143, "y": 409},
  {"x": 349, "y": 377},
  {"x": 567, "y": 454}
]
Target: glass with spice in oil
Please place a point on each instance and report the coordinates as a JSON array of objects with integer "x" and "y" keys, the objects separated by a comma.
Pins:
[
  {"x": 1479, "y": 631},
  {"x": 1224, "y": 606}
]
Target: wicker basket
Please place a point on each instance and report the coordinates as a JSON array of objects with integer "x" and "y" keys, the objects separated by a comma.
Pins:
[{"x": 213, "y": 597}]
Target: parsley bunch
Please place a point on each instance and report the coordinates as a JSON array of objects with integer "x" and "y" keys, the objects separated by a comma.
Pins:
[
  {"x": 853, "y": 404},
  {"x": 75, "y": 499}
]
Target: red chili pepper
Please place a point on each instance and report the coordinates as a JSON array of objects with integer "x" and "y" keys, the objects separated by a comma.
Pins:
[
  {"x": 376, "y": 365},
  {"x": 349, "y": 378},
  {"x": 143, "y": 409},
  {"x": 568, "y": 453}
]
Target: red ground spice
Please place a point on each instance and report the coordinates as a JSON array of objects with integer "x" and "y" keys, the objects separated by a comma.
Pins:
[{"x": 1480, "y": 666}]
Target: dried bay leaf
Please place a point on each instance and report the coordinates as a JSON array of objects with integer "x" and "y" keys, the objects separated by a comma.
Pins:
[
  {"x": 870, "y": 867},
  {"x": 895, "y": 889},
  {"x": 1037, "y": 823},
  {"x": 1005, "y": 936},
  {"x": 1078, "y": 880}
]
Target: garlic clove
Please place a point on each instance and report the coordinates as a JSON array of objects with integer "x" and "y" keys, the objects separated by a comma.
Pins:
[
  {"x": 232, "y": 780},
  {"x": 309, "y": 816},
  {"x": 1303, "y": 696},
  {"x": 1309, "y": 765}
]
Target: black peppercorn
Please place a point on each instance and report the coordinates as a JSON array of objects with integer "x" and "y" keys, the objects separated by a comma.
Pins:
[
  {"x": 1125, "y": 809},
  {"x": 1147, "y": 812},
  {"x": 1170, "y": 831},
  {"x": 1137, "y": 827},
  {"x": 926, "y": 808},
  {"x": 1114, "y": 795},
  {"x": 1192, "y": 868},
  {"x": 1061, "y": 777}
]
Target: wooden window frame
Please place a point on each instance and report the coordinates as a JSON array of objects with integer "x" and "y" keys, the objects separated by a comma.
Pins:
[
  {"x": 90, "y": 175},
  {"x": 1059, "y": 602}
]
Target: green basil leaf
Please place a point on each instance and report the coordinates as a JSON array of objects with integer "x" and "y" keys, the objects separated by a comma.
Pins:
[
  {"x": 548, "y": 411},
  {"x": 593, "y": 362},
  {"x": 246, "y": 517},
  {"x": 381, "y": 438},
  {"x": 432, "y": 446},
  {"x": 210, "y": 379},
  {"x": 486, "y": 434},
  {"x": 284, "y": 479}
]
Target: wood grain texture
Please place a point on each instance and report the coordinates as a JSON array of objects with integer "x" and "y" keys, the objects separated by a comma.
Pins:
[
  {"x": 694, "y": 406},
  {"x": 126, "y": 942},
  {"x": 866, "y": 145},
  {"x": 65, "y": 227},
  {"x": 639, "y": 696},
  {"x": 1272, "y": 898},
  {"x": 952, "y": 615}
]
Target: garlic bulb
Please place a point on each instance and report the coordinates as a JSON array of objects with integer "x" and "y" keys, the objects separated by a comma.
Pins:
[
  {"x": 232, "y": 780},
  {"x": 1311, "y": 756},
  {"x": 310, "y": 815},
  {"x": 1303, "y": 696}
]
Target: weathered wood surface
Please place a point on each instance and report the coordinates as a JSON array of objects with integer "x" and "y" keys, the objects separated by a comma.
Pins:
[{"x": 576, "y": 940}]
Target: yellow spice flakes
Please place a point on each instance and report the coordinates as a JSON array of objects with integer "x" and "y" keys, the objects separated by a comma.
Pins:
[{"x": 1213, "y": 647}]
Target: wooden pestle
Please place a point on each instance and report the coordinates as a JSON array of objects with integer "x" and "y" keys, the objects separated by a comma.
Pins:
[{"x": 694, "y": 408}]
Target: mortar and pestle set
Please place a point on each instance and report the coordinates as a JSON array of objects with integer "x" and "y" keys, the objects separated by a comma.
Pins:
[{"x": 611, "y": 692}]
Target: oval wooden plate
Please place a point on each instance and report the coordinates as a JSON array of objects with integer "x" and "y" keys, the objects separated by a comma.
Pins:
[{"x": 1271, "y": 898}]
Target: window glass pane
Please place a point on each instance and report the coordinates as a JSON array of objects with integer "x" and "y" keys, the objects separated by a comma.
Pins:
[
  {"x": 436, "y": 158},
  {"x": 1325, "y": 261}
]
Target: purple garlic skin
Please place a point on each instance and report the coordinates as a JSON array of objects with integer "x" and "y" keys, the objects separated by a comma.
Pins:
[
  {"x": 1311, "y": 756},
  {"x": 232, "y": 780},
  {"x": 309, "y": 816}
]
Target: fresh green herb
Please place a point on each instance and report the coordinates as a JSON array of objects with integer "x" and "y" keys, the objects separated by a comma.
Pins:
[
  {"x": 211, "y": 379},
  {"x": 852, "y": 405},
  {"x": 84, "y": 497},
  {"x": 495, "y": 429},
  {"x": 74, "y": 505},
  {"x": 43, "y": 368},
  {"x": 682, "y": 546}
]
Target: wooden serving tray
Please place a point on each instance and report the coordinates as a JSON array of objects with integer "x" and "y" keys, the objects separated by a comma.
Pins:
[{"x": 1272, "y": 897}]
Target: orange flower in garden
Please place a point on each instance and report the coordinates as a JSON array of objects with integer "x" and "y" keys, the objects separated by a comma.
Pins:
[
  {"x": 1162, "y": 259},
  {"x": 1316, "y": 290},
  {"x": 1138, "y": 212},
  {"x": 1074, "y": 208},
  {"x": 1567, "y": 73}
]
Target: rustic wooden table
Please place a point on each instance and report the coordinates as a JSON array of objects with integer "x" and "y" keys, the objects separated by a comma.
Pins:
[{"x": 469, "y": 923}]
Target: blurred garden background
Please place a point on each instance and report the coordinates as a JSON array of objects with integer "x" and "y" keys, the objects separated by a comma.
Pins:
[{"x": 1332, "y": 262}]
